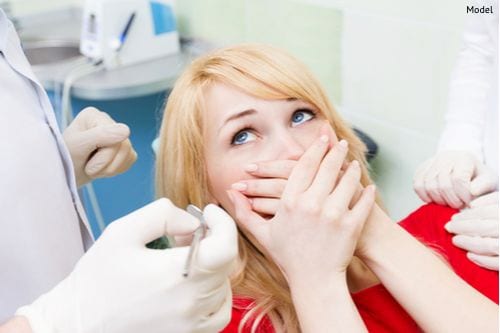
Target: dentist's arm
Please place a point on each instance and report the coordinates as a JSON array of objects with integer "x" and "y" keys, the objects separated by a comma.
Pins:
[{"x": 119, "y": 285}]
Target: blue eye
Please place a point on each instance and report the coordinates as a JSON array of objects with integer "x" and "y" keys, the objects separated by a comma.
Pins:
[
  {"x": 301, "y": 116},
  {"x": 242, "y": 137}
]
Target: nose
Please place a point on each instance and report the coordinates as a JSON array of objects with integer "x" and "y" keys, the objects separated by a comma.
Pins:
[{"x": 289, "y": 147}]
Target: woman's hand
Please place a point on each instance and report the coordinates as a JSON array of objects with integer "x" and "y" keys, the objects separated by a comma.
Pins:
[{"x": 313, "y": 234}]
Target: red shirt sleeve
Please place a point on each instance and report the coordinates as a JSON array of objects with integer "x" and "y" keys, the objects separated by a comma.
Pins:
[{"x": 427, "y": 225}]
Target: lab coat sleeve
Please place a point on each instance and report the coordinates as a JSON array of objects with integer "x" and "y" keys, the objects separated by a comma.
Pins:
[{"x": 470, "y": 83}]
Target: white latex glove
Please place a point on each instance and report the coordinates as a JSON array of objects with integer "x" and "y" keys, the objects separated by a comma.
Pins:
[
  {"x": 99, "y": 147},
  {"x": 476, "y": 230},
  {"x": 453, "y": 178},
  {"x": 119, "y": 285}
]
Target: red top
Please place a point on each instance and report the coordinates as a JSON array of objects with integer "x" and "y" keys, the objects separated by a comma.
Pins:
[{"x": 379, "y": 310}]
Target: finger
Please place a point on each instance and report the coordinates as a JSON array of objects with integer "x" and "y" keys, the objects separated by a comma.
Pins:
[
  {"x": 100, "y": 160},
  {"x": 271, "y": 169},
  {"x": 305, "y": 170},
  {"x": 122, "y": 161},
  {"x": 431, "y": 182},
  {"x": 92, "y": 117},
  {"x": 478, "y": 245},
  {"x": 343, "y": 194},
  {"x": 419, "y": 182},
  {"x": 484, "y": 182},
  {"x": 485, "y": 200},
  {"x": 103, "y": 136},
  {"x": 461, "y": 176},
  {"x": 220, "y": 247},
  {"x": 248, "y": 219},
  {"x": 157, "y": 219},
  {"x": 363, "y": 207},
  {"x": 488, "y": 262},
  {"x": 272, "y": 188},
  {"x": 265, "y": 206},
  {"x": 432, "y": 190},
  {"x": 182, "y": 240},
  {"x": 328, "y": 172},
  {"x": 217, "y": 319},
  {"x": 482, "y": 228},
  {"x": 447, "y": 190},
  {"x": 477, "y": 213}
]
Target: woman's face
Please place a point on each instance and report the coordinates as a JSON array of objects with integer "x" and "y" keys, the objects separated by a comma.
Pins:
[{"x": 241, "y": 129}]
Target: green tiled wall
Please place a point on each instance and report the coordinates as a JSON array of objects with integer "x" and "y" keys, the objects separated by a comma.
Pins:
[{"x": 310, "y": 32}]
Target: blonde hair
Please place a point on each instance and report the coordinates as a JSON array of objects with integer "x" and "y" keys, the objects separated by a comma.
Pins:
[{"x": 268, "y": 73}]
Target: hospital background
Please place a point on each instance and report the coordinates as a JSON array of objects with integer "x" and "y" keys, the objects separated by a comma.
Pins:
[{"x": 385, "y": 64}]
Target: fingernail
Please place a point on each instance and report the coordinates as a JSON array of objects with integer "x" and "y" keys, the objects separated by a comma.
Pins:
[
  {"x": 371, "y": 188},
  {"x": 343, "y": 143},
  {"x": 239, "y": 186},
  {"x": 355, "y": 164},
  {"x": 324, "y": 138},
  {"x": 251, "y": 167},
  {"x": 447, "y": 226}
]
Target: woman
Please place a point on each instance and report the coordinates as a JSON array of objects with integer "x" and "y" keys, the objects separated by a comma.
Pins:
[{"x": 316, "y": 253}]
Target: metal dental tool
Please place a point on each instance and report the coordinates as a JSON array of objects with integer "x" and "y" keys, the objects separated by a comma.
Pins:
[{"x": 198, "y": 235}]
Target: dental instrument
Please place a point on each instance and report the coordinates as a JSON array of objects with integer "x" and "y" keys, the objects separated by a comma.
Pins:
[{"x": 198, "y": 235}]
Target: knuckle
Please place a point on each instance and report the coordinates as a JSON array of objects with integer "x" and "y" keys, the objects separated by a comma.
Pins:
[
  {"x": 310, "y": 207},
  {"x": 289, "y": 203},
  {"x": 332, "y": 214}
]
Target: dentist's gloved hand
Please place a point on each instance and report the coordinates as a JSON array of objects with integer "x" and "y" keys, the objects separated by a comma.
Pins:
[
  {"x": 453, "y": 178},
  {"x": 99, "y": 147},
  {"x": 476, "y": 231},
  {"x": 119, "y": 285}
]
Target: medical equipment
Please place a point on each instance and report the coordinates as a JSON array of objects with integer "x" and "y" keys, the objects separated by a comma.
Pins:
[
  {"x": 125, "y": 32},
  {"x": 198, "y": 235}
]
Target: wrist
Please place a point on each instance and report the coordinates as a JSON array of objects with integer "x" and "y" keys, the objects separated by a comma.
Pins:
[
  {"x": 377, "y": 234},
  {"x": 302, "y": 288}
]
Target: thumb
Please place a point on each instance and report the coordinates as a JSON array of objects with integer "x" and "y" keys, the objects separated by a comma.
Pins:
[
  {"x": 248, "y": 219},
  {"x": 157, "y": 219},
  {"x": 220, "y": 247},
  {"x": 102, "y": 136},
  {"x": 485, "y": 200},
  {"x": 484, "y": 182}
]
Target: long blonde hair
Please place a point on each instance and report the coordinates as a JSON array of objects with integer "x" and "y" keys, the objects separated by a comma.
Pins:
[{"x": 265, "y": 72}]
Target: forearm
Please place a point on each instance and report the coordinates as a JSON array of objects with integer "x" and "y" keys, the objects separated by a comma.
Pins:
[
  {"x": 326, "y": 307},
  {"x": 16, "y": 324},
  {"x": 436, "y": 298}
]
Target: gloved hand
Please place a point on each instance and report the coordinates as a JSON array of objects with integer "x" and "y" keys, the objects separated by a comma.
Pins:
[
  {"x": 119, "y": 285},
  {"x": 99, "y": 147},
  {"x": 453, "y": 178},
  {"x": 476, "y": 230}
]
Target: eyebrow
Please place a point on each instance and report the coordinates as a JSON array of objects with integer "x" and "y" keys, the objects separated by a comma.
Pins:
[{"x": 235, "y": 116}]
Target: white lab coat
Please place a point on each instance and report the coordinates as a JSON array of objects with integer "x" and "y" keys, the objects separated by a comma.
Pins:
[
  {"x": 472, "y": 115},
  {"x": 43, "y": 228}
]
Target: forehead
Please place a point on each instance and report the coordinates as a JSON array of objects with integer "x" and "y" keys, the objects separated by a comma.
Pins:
[{"x": 222, "y": 101}]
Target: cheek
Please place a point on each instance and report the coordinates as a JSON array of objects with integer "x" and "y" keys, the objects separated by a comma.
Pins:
[
  {"x": 308, "y": 134},
  {"x": 222, "y": 173}
]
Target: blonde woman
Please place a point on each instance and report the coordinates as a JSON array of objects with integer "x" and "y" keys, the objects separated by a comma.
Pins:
[{"x": 249, "y": 128}]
